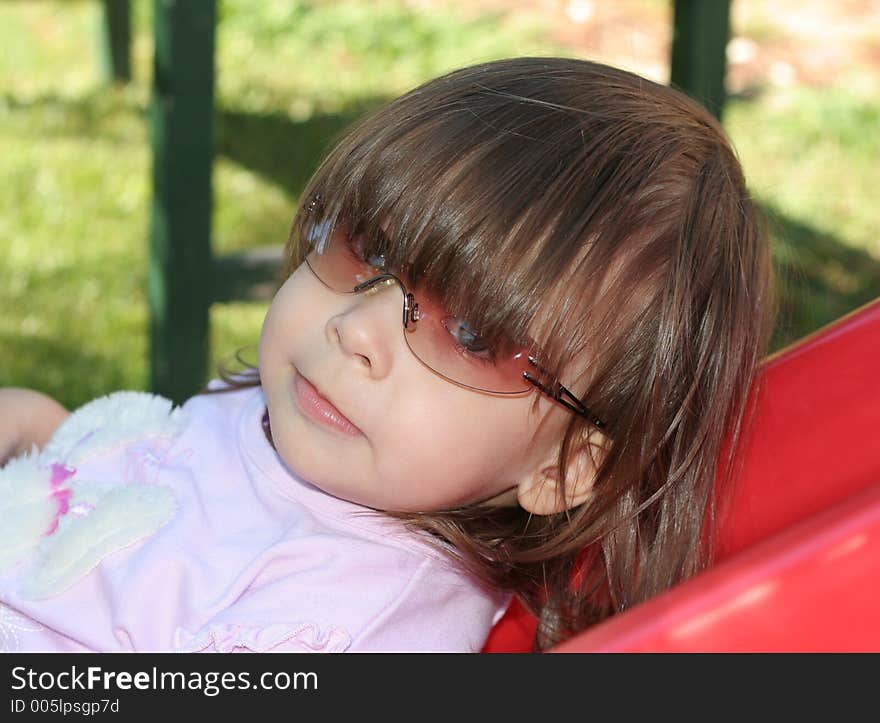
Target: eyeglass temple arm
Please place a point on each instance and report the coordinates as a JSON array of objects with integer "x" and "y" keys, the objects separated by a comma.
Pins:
[
  {"x": 374, "y": 281},
  {"x": 563, "y": 395}
]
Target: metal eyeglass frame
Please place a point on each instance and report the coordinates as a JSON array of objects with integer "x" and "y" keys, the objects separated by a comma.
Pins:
[
  {"x": 554, "y": 390},
  {"x": 564, "y": 396}
]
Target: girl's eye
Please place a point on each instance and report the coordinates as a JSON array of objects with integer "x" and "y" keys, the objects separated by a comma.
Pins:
[
  {"x": 376, "y": 261},
  {"x": 371, "y": 257},
  {"x": 469, "y": 339}
]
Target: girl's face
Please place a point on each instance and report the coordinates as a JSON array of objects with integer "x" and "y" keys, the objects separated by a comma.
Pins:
[{"x": 355, "y": 413}]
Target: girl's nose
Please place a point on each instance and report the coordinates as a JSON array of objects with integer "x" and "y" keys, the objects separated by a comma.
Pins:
[{"x": 368, "y": 329}]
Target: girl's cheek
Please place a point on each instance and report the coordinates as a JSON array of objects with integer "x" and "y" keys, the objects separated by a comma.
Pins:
[{"x": 292, "y": 314}]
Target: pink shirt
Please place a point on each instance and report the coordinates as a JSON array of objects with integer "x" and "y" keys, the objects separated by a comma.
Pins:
[{"x": 142, "y": 528}]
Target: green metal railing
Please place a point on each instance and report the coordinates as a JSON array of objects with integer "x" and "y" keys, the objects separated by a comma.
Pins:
[
  {"x": 179, "y": 281},
  {"x": 115, "y": 38},
  {"x": 700, "y": 31}
]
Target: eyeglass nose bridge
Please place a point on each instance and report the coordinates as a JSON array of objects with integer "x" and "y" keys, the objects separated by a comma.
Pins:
[{"x": 410, "y": 307}]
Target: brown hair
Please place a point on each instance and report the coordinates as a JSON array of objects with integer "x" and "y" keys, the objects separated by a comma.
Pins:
[{"x": 598, "y": 214}]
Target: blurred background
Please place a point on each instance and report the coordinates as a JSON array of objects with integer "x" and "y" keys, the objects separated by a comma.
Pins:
[{"x": 803, "y": 110}]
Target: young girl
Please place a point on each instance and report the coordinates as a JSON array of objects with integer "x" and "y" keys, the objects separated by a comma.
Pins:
[{"x": 523, "y": 308}]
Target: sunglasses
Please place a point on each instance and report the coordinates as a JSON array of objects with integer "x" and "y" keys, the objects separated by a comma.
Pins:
[{"x": 449, "y": 346}]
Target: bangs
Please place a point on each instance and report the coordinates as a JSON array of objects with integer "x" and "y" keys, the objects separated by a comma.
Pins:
[{"x": 481, "y": 198}]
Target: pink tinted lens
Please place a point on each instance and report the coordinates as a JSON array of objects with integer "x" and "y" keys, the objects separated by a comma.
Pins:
[
  {"x": 334, "y": 262},
  {"x": 430, "y": 339}
]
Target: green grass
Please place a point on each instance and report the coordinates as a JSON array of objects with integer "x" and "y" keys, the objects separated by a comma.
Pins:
[
  {"x": 810, "y": 155},
  {"x": 74, "y": 197}
]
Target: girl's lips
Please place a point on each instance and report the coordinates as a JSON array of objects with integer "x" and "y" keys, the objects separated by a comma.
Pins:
[{"x": 319, "y": 409}]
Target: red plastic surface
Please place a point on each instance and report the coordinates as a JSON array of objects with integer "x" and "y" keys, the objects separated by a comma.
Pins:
[
  {"x": 813, "y": 587},
  {"x": 799, "y": 539}
]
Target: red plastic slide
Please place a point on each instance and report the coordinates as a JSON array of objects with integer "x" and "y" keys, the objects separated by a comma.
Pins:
[{"x": 799, "y": 542}]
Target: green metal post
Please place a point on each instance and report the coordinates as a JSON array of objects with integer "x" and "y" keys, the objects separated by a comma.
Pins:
[
  {"x": 179, "y": 278},
  {"x": 116, "y": 40},
  {"x": 701, "y": 29}
]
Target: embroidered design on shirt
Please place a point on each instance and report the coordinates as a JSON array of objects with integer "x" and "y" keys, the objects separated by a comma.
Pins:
[
  {"x": 60, "y": 520},
  {"x": 277, "y": 637},
  {"x": 11, "y": 624}
]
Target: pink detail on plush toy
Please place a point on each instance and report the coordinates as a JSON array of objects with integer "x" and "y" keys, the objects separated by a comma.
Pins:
[{"x": 60, "y": 475}]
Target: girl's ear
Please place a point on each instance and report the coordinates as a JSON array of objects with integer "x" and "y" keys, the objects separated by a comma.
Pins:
[{"x": 541, "y": 492}]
